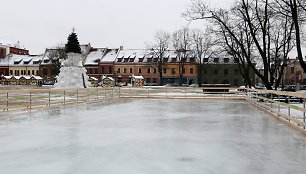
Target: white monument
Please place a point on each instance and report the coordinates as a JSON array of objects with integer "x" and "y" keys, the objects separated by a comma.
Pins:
[{"x": 72, "y": 73}]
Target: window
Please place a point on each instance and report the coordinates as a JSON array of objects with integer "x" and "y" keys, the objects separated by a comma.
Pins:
[
  {"x": 126, "y": 59},
  {"x": 155, "y": 71},
  {"x": 33, "y": 72},
  {"x": 226, "y": 60},
  {"x": 192, "y": 60},
  {"x": 118, "y": 70},
  {"x": 172, "y": 71},
  {"x": 149, "y": 59},
  {"x": 119, "y": 59},
  {"x": 45, "y": 72},
  {"x": 96, "y": 71},
  {"x": 11, "y": 72},
  {"x": 292, "y": 70},
  {"x": 149, "y": 70},
  {"x": 22, "y": 72},
  {"x": 37, "y": 72},
  {"x": 124, "y": 71},
  {"x": 131, "y": 70},
  {"x": 165, "y": 70},
  {"x": 184, "y": 71},
  {"x": 155, "y": 60},
  {"x": 154, "y": 80},
  {"x": 216, "y": 71},
  {"x": 132, "y": 59},
  {"x": 148, "y": 80},
  {"x": 236, "y": 71},
  {"x": 110, "y": 70},
  {"x": 205, "y": 59},
  {"x": 140, "y": 60},
  {"x": 102, "y": 70},
  {"x": 165, "y": 59},
  {"x": 139, "y": 70},
  {"x": 225, "y": 71},
  {"x": 216, "y": 60},
  {"x": 235, "y": 60},
  {"x": 29, "y": 72},
  {"x": 191, "y": 70},
  {"x": 184, "y": 60},
  {"x": 173, "y": 60}
]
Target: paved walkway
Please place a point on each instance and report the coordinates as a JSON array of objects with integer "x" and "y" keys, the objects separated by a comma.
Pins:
[{"x": 151, "y": 136}]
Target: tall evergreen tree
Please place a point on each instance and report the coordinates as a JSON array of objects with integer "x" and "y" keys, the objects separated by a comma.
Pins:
[{"x": 73, "y": 45}]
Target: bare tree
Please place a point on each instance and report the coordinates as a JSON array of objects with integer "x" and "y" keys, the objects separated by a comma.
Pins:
[
  {"x": 181, "y": 41},
  {"x": 271, "y": 47},
  {"x": 203, "y": 47},
  {"x": 296, "y": 10},
  {"x": 158, "y": 51}
]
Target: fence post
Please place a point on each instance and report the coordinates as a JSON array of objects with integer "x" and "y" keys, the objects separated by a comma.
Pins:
[
  {"x": 97, "y": 93},
  {"x": 30, "y": 99},
  {"x": 64, "y": 97},
  {"x": 49, "y": 97},
  {"x": 77, "y": 96},
  {"x": 289, "y": 113},
  {"x": 7, "y": 101},
  {"x": 304, "y": 115},
  {"x": 278, "y": 104},
  {"x": 105, "y": 94},
  {"x": 271, "y": 100}
]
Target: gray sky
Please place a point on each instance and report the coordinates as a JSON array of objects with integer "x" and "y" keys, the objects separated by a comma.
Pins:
[{"x": 38, "y": 24}]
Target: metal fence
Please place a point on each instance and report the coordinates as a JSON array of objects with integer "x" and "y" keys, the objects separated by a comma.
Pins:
[
  {"x": 289, "y": 107},
  {"x": 40, "y": 98}
]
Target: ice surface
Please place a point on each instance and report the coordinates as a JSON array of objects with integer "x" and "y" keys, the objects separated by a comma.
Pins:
[{"x": 151, "y": 136}]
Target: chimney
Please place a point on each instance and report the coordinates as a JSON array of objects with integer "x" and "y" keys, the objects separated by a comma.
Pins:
[{"x": 121, "y": 48}]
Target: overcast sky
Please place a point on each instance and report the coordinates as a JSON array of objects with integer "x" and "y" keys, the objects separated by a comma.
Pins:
[{"x": 39, "y": 24}]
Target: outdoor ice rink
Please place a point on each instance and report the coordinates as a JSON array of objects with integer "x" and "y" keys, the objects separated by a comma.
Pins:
[{"x": 151, "y": 137}]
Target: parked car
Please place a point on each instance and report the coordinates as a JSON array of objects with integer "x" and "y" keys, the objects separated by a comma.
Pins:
[{"x": 292, "y": 88}]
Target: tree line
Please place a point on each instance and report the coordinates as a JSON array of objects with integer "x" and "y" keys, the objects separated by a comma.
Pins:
[{"x": 258, "y": 34}]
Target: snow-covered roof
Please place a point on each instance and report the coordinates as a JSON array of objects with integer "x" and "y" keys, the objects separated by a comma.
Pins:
[
  {"x": 25, "y": 77},
  {"x": 94, "y": 57},
  {"x": 21, "y": 60},
  {"x": 110, "y": 55},
  {"x": 131, "y": 55},
  {"x": 93, "y": 78},
  {"x": 11, "y": 44},
  {"x": 51, "y": 54}
]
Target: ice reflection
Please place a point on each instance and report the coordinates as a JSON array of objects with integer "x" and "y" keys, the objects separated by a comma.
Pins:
[{"x": 151, "y": 136}]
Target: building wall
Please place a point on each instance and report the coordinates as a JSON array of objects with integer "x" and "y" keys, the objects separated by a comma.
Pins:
[
  {"x": 294, "y": 74},
  {"x": 224, "y": 74},
  {"x": 24, "y": 70},
  {"x": 14, "y": 50}
]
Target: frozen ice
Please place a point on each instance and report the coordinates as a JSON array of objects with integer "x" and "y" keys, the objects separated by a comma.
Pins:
[
  {"x": 72, "y": 73},
  {"x": 151, "y": 137}
]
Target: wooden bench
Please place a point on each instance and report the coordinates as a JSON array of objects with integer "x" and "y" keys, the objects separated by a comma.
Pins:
[{"x": 216, "y": 87}]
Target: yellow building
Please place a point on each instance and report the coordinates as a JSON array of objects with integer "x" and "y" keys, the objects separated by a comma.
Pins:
[{"x": 24, "y": 65}]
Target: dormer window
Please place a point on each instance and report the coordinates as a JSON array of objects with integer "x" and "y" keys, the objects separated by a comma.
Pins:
[
  {"x": 226, "y": 60},
  {"x": 119, "y": 59},
  {"x": 140, "y": 60},
  {"x": 126, "y": 59},
  {"x": 149, "y": 59},
  {"x": 165, "y": 59},
  {"x": 155, "y": 60},
  {"x": 205, "y": 60},
  {"x": 132, "y": 60},
  {"x": 192, "y": 60},
  {"x": 216, "y": 60},
  {"x": 173, "y": 60}
]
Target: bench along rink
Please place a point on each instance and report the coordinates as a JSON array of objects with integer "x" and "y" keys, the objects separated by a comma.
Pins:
[{"x": 151, "y": 136}]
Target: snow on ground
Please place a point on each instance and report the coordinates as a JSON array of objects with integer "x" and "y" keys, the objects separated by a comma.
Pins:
[{"x": 151, "y": 136}]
